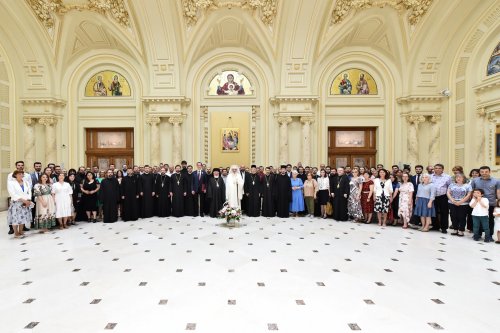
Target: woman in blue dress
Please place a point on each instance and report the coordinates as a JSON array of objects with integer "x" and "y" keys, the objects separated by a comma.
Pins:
[{"x": 297, "y": 204}]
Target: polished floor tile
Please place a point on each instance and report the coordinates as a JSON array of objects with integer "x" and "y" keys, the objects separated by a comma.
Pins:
[{"x": 296, "y": 275}]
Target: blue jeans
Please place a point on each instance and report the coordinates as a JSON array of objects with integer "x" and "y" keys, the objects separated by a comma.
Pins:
[{"x": 482, "y": 221}]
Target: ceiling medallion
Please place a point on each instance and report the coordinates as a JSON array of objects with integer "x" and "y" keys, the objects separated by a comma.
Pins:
[
  {"x": 45, "y": 10},
  {"x": 416, "y": 8},
  {"x": 193, "y": 9}
]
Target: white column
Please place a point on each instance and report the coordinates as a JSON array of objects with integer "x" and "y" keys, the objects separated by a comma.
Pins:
[
  {"x": 481, "y": 134},
  {"x": 434, "y": 145},
  {"x": 176, "y": 121},
  {"x": 50, "y": 123},
  {"x": 283, "y": 154},
  {"x": 306, "y": 139},
  {"x": 154, "y": 122},
  {"x": 413, "y": 121},
  {"x": 29, "y": 141}
]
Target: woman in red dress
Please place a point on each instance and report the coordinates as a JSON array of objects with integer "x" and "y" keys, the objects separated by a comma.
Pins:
[{"x": 367, "y": 195}]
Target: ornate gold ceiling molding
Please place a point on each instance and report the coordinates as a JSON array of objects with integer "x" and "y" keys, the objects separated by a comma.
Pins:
[
  {"x": 415, "y": 8},
  {"x": 46, "y": 10},
  {"x": 193, "y": 9}
]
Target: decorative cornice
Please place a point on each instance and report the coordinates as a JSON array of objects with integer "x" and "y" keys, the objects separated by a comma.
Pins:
[
  {"x": 420, "y": 99},
  {"x": 193, "y": 9},
  {"x": 44, "y": 100},
  {"x": 166, "y": 99},
  {"x": 416, "y": 8},
  {"x": 294, "y": 99},
  {"x": 435, "y": 118},
  {"x": 488, "y": 85}
]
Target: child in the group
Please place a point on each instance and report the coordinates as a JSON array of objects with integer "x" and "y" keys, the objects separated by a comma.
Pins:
[
  {"x": 480, "y": 215},
  {"x": 496, "y": 213}
]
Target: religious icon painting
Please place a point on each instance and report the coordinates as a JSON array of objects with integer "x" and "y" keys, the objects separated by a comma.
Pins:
[
  {"x": 107, "y": 83},
  {"x": 230, "y": 139},
  {"x": 494, "y": 62},
  {"x": 354, "y": 82},
  {"x": 230, "y": 83}
]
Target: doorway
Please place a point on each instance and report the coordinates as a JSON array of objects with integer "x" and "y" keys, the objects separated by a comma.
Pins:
[
  {"x": 105, "y": 146},
  {"x": 353, "y": 146}
]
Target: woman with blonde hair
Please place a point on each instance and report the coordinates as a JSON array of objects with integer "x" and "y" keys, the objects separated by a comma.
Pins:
[{"x": 424, "y": 203}]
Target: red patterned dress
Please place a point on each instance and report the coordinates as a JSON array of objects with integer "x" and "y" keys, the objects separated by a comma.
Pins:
[{"x": 367, "y": 207}]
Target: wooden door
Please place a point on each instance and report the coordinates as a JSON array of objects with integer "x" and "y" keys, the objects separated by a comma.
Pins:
[
  {"x": 353, "y": 146},
  {"x": 105, "y": 146}
]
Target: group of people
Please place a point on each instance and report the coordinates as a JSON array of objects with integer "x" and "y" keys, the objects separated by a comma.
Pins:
[{"x": 44, "y": 199}]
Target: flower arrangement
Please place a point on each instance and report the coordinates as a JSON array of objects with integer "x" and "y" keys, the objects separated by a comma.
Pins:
[{"x": 230, "y": 214}]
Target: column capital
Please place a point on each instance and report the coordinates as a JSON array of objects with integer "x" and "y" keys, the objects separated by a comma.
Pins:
[
  {"x": 176, "y": 120},
  {"x": 307, "y": 120},
  {"x": 481, "y": 112},
  {"x": 284, "y": 120},
  {"x": 47, "y": 120},
  {"x": 153, "y": 120},
  {"x": 435, "y": 118},
  {"x": 29, "y": 121},
  {"x": 414, "y": 119}
]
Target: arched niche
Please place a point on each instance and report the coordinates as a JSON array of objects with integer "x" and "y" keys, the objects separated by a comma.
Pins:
[
  {"x": 354, "y": 81},
  {"x": 107, "y": 83},
  {"x": 493, "y": 66}
]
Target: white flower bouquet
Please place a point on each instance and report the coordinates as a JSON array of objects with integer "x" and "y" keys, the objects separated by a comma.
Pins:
[{"x": 230, "y": 214}]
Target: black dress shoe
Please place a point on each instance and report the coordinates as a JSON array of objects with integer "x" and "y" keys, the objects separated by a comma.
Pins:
[
  {"x": 11, "y": 231},
  {"x": 26, "y": 229},
  {"x": 444, "y": 231}
]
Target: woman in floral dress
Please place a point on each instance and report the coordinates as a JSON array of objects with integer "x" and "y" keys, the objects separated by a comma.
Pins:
[
  {"x": 45, "y": 214},
  {"x": 353, "y": 202},
  {"x": 383, "y": 195},
  {"x": 406, "y": 190}
]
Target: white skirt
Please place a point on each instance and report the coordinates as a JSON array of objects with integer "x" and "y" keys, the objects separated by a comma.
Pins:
[{"x": 63, "y": 206}]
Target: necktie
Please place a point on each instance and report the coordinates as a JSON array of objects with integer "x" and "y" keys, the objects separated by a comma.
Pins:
[{"x": 199, "y": 175}]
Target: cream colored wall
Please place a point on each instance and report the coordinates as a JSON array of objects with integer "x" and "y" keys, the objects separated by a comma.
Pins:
[{"x": 291, "y": 64}]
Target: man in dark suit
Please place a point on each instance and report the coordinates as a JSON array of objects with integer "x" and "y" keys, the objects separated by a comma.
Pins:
[
  {"x": 199, "y": 190},
  {"x": 415, "y": 180},
  {"x": 35, "y": 175}
]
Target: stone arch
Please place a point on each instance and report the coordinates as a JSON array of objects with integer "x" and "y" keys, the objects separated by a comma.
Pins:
[
  {"x": 256, "y": 105},
  {"x": 82, "y": 112}
]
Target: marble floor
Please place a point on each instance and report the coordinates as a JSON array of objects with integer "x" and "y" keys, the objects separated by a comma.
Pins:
[{"x": 290, "y": 275}]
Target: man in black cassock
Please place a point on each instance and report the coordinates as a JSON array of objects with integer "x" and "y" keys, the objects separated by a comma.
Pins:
[
  {"x": 130, "y": 196},
  {"x": 178, "y": 191},
  {"x": 109, "y": 194},
  {"x": 190, "y": 197},
  {"x": 216, "y": 192},
  {"x": 162, "y": 191},
  {"x": 339, "y": 189},
  {"x": 252, "y": 188},
  {"x": 268, "y": 194},
  {"x": 283, "y": 193},
  {"x": 147, "y": 189}
]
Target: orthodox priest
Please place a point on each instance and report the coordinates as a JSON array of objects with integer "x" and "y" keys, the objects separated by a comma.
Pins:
[
  {"x": 216, "y": 192},
  {"x": 147, "y": 189},
  {"x": 162, "y": 191},
  {"x": 339, "y": 189},
  {"x": 283, "y": 193},
  {"x": 252, "y": 189},
  {"x": 130, "y": 196},
  {"x": 268, "y": 194},
  {"x": 234, "y": 187},
  {"x": 109, "y": 195},
  {"x": 178, "y": 191}
]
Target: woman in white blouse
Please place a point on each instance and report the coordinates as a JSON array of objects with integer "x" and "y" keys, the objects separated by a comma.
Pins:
[
  {"x": 323, "y": 191},
  {"x": 383, "y": 194},
  {"x": 19, "y": 213}
]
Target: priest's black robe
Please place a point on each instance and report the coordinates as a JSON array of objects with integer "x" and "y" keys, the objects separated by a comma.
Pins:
[
  {"x": 268, "y": 196},
  {"x": 130, "y": 196},
  {"x": 216, "y": 194},
  {"x": 252, "y": 190},
  {"x": 146, "y": 186},
  {"x": 162, "y": 192},
  {"x": 340, "y": 189},
  {"x": 189, "y": 200},
  {"x": 178, "y": 191},
  {"x": 283, "y": 195},
  {"x": 109, "y": 195}
]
